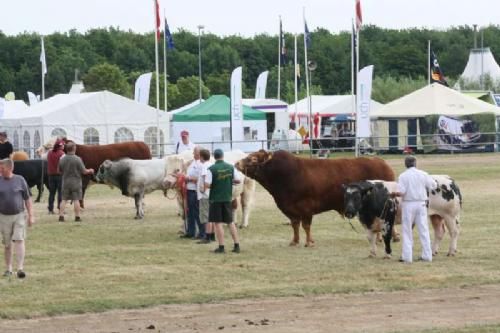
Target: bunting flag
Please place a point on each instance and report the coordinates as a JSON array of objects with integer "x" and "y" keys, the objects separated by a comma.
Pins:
[
  {"x": 359, "y": 16},
  {"x": 282, "y": 43},
  {"x": 158, "y": 32},
  {"x": 42, "y": 58},
  {"x": 436, "y": 73},
  {"x": 307, "y": 35},
  {"x": 168, "y": 37}
]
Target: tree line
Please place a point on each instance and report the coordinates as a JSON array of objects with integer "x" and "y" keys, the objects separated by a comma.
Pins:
[{"x": 112, "y": 59}]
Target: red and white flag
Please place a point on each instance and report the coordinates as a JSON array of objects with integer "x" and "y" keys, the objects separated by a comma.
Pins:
[
  {"x": 158, "y": 32},
  {"x": 359, "y": 16}
]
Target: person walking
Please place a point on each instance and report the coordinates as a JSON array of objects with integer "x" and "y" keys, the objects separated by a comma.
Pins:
[
  {"x": 413, "y": 186},
  {"x": 192, "y": 174},
  {"x": 184, "y": 143},
  {"x": 72, "y": 168},
  {"x": 16, "y": 209},
  {"x": 203, "y": 198},
  {"x": 55, "y": 180},
  {"x": 220, "y": 179},
  {"x": 6, "y": 148}
]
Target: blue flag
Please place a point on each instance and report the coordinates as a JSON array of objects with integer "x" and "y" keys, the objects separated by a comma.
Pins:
[
  {"x": 282, "y": 42},
  {"x": 168, "y": 37},
  {"x": 307, "y": 35}
]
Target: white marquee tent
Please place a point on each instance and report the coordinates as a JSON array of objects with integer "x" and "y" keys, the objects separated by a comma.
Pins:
[
  {"x": 481, "y": 62},
  {"x": 90, "y": 118}
]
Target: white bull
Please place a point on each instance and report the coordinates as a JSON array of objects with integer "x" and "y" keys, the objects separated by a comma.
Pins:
[
  {"x": 135, "y": 178},
  {"x": 243, "y": 193}
]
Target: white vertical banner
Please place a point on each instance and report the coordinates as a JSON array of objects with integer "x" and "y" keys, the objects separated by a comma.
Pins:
[
  {"x": 2, "y": 107},
  {"x": 236, "y": 106},
  {"x": 363, "y": 99},
  {"x": 32, "y": 98},
  {"x": 142, "y": 85},
  {"x": 260, "y": 89}
]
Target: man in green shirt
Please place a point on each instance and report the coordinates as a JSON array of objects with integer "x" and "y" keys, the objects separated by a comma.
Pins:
[{"x": 220, "y": 179}]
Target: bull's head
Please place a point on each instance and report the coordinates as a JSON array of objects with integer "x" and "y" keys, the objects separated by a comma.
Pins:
[
  {"x": 251, "y": 164},
  {"x": 353, "y": 197},
  {"x": 103, "y": 173}
]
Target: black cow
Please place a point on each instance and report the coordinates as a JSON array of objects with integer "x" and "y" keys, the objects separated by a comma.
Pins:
[
  {"x": 35, "y": 174},
  {"x": 377, "y": 211}
]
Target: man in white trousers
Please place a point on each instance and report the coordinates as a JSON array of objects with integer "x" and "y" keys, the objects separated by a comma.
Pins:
[{"x": 413, "y": 187}]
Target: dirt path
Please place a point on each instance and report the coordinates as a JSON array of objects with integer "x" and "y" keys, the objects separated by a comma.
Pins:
[{"x": 369, "y": 312}]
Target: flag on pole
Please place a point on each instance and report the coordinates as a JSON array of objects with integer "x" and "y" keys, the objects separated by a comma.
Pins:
[
  {"x": 282, "y": 43},
  {"x": 142, "y": 85},
  {"x": 260, "y": 88},
  {"x": 297, "y": 74},
  {"x": 42, "y": 59},
  {"x": 307, "y": 35},
  {"x": 363, "y": 96},
  {"x": 436, "y": 73},
  {"x": 168, "y": 37},
  {"x": 158, "y": 33},
  {"x": 359, "y": 16},
  {"x": 236, "y": 105}
]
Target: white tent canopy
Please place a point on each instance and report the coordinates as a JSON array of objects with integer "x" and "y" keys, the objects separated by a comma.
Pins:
[
  {"x": 91, "y": 118},
  {"x": 481, "y": 61},
  {"x": 433, "y": 99},
  {"x": 13, "y": 108}
]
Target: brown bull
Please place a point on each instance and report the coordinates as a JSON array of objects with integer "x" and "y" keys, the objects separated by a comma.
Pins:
[{"x": 304, "y": 187}]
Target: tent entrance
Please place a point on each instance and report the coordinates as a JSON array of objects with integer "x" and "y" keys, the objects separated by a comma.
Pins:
[{"x": 393, "y": 135}]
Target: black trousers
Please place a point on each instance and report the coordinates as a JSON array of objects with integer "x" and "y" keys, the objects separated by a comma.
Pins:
[{"x": 55, "y": 185}]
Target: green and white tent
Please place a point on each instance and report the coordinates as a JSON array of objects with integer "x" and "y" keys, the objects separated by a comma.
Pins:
[{"x": 208, "y": 124}]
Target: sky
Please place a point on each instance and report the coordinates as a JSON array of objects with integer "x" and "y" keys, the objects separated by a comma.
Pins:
[{"x": 235, "y": 17}]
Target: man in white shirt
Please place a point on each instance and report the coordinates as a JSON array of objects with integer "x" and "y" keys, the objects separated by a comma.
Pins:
[
  {"x": 184, "y": 144},
  {"x": 203, "y": 195},
  {"x": 192, "y": 174},
  {"x": 413, "y": 187}
]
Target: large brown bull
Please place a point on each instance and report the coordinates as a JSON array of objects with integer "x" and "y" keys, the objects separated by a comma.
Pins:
[
  {"x": 305, "y": 187},
  {"x": 93, "y": 156}
]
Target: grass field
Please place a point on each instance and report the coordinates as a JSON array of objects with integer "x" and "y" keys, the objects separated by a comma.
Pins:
[{"x": 112, "y": 261}]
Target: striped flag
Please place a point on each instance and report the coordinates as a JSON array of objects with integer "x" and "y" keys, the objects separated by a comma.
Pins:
[
  {"x": 359, "y": 16},
  {"x": 436, "y": 73},
  {"x": 158, "y": 33}
]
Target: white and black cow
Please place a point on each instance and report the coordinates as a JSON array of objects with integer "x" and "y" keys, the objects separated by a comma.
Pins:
[
  {"x": 377, "y": 211},
  {"x": 135, "y": 178},
  {"x": 444, "y": 208}
]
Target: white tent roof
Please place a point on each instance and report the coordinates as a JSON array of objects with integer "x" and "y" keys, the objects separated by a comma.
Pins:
[
  {"x": 481, "y": 61},
  {"x": 266, "y": 105},
  {"x": 329, "y": 105},
  {"x": 76, "y": 112},
  {"x": 13, "y": 108},
  {"x": 433, "y": 99}
]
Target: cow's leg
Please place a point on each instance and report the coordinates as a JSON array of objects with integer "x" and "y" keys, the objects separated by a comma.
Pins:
[
  {"x": 306, "y": 224},
  {"x": 454, "y": 229},
  {"x": 247, "y": 200},
  {"x": 85, "y": 183},
  {"x": 439, "y": 231},
  {"x": 388, "y": 231},
  {"x": 372, "y": 240},
  {"x": 296, "y": 229},
  {"x": 138, "y": 206},
  {"x": 40, "y": 190}
]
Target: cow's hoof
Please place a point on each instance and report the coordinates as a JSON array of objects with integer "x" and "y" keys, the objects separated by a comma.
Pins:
[
  {"x": 387, "y": 256},
  {"x": 372, "y": 255},
  {"x": 451, "y": 254},
  {"x": 309, "y": 244},
  {"x": 293, "y": 243},
  {"x": 138, "y": 218},
  {"x": 396, "y": 239},
  {"x": 242, "y": 226}
]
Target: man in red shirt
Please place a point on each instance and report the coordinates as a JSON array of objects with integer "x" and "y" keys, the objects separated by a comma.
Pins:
[{"x": 55, "y": 180}]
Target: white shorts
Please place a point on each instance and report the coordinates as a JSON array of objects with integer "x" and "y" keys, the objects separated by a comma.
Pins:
[{"x": 12, "y": 228}]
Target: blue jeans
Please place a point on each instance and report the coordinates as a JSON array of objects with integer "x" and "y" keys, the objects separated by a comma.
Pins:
[{"x": 194, "y": 215}]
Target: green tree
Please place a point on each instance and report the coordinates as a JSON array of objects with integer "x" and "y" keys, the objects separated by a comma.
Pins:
[
  {"x": 189, "y": 90},
  {"x": 107, "y": 77}
]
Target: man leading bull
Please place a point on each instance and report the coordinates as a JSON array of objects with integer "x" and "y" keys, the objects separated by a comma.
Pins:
[{"x": 413, "y": 186}]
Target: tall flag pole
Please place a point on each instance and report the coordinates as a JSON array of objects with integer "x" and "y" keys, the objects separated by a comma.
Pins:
[
  {"x": 307, "y": 42},
  {"x": 359, "y": 22},
  {"x": 168, "y": 44},
  {"x": 297, "y": 74},
  {"x": 44, "y": 67},
  {"x": 157, "y": 38},
  {"x": 280, "y": 48},
  {"x": 429, "y": 62},
  {"x": 353, "y": 54}
]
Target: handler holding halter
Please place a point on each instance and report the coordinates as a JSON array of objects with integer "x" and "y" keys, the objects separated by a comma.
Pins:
[{"x": 413, "y": 186}]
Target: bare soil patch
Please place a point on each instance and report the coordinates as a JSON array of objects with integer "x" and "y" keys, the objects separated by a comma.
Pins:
[{"x": 366, "y": 312}]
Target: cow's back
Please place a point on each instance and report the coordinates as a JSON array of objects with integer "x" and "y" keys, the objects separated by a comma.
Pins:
[
  {"x": 33, "y": 171},
  {"x": 93, "y": 156}
]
